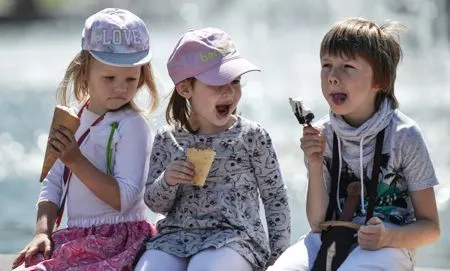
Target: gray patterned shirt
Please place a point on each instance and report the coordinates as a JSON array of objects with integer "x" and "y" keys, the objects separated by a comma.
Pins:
[{"x": 225, "y": 211}]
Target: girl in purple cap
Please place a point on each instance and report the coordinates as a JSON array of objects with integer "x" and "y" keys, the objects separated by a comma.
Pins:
[
  {"x": 365, "y": 143},
  {"x": 101, "y": 170},
  {"x": 215, "y": 225}
]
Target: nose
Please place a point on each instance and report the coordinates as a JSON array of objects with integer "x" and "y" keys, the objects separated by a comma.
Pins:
[
  {"x": 333, "y": 78},
  {"x": 228, "y": 90},
  {"x": 121, "y": 87}
]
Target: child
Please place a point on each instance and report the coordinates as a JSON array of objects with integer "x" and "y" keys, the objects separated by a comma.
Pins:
[
  {"x": 359, "y": 61},
  {"x": 216, "y": 226},
  {"x": 108, "y": 166}
]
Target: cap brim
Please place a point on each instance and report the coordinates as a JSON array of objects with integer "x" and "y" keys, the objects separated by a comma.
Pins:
[
  {"x": 226, "y": 72},
  {"x": 123, "y": 60}
]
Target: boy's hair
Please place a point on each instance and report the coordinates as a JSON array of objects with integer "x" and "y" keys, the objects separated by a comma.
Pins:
[
  {"x": 178, "y": 111},
  {"x": 75, "y": 79},
  {"x": 378, "y": 45}
]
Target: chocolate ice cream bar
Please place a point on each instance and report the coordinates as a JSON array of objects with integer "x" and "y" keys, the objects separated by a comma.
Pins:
[{"x": 302, "y": 112}]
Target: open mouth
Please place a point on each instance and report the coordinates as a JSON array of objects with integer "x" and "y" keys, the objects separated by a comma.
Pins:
[
  {"x": 223, "y": 109},
  {"x": 338, "y": 98}
]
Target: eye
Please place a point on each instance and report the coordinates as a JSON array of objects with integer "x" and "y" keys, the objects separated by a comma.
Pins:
[
  {"x": 236, "y": 82},
  {"x": 326, "y": 65},
  {"x": 348, "y": 66},
  {"x": 109, "y": 78},
  {"x": 131, "y": 79}
]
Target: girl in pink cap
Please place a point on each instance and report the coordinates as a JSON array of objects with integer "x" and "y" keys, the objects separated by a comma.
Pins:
[
  {"x": 216, "y": 226},
  {"x": 101, "y": 170}
]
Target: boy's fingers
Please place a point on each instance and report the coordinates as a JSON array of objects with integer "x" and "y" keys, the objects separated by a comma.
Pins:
[{"x": 374, "y": 221}]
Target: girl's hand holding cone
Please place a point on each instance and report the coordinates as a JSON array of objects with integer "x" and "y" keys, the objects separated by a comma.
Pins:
[
  {"x": 179, "y": 172},
  {"x": 61, "y": 117},
  {"x": 64, "y": 146}
]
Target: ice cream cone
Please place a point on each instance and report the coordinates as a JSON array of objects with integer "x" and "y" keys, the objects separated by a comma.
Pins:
[
  {"x": 64, "y": 117},
  {"x": 202, "y": 160}
]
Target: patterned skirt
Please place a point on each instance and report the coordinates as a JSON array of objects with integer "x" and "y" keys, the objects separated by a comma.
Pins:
[{"x": 106, "y": 247}]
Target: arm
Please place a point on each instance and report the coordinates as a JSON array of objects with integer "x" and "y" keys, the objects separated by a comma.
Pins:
[
  {"x": 273, "y": 194},
  {"x": 45, "y": 222},
  {"x": 420, "y": 176},
  {"x": 419, "y": 173},
  {"x": 46, "y": 217},
  {"x": 159, "y": 195},
  {"x": 131, "y": 163},
  {"x": 316, "y": 197},
  {"x": 425, "y": 229},
  {"x": 313, "y": 145}
]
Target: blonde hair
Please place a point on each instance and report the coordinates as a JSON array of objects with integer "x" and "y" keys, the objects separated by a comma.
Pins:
[
  {"x": 379, "y": 45},
  {"x": 75, "y": 83}
]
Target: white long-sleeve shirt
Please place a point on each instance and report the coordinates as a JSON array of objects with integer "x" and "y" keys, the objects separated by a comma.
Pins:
[{"x": 131, "y": 147}]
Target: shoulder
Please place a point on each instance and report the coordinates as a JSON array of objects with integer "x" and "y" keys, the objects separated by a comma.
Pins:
[
  {"x": 250, "y": 127},
  {"x": 129, "y": 121},
  {"x": 166, "y": 131},
  {"x": 404, "y": 128}
]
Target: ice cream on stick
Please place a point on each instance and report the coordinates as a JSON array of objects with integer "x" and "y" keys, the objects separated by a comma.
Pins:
[
  {"x": 301, "y": 111},
  {"x": 64, "y": 117},
  {"x": 202, "y": 160}
]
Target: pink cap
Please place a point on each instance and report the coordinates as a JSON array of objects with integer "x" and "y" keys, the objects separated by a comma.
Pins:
[{"x": 209, "y": 55}]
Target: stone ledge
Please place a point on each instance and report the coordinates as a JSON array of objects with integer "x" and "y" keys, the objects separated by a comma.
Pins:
[{"x": 6, "y": 261}]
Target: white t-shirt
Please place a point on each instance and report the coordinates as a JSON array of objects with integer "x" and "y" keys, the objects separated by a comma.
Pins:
[{"x": 131, "y": 147}]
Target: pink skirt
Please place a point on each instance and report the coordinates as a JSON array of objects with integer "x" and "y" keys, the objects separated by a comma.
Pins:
[{"x": 105, "y": 247}]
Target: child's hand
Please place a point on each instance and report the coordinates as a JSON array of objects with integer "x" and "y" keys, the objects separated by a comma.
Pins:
[
  {"x": 373, "y": 235},
  {"x": 179, "y": 171},
  {"x": 63, "y": 145},
  {"x": 312, "y": 144},
  {"x": 40, "y": 243}
]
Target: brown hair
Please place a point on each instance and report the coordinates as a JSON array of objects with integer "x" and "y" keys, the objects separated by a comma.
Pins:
[
  {"x": 178, "y": 111},
  {"x": 75, "y": 80},
  {"x": 378, "y": 45}
]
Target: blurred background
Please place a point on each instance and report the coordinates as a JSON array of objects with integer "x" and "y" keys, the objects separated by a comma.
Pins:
[{"x": 39, "y": 38}]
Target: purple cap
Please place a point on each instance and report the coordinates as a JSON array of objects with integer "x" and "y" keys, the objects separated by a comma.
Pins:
[
  {"x": 117, "y": 37},
  {"x": 209, "y": 55}
]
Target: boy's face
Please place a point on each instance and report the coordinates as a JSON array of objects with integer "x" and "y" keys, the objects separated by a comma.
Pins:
[{"x": 347, "y": 85}]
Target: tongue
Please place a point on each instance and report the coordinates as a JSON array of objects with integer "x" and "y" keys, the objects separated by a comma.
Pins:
[{"x": 339, "y": 98}]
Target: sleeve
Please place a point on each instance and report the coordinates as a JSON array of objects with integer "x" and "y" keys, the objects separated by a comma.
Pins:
[
  {"x": 416, "y": 162},
  {"x": 52, "y": 189},
  {"x": 132, "y": 154},
  {"x": 159, "y": 196},
  {"x": 273, "y": 192}
]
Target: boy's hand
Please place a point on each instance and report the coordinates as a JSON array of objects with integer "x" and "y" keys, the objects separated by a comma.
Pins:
[
  {"x": 64, "y": 146},
  {"x": 313, "y": 144},
  {"x": 373, "y": 235},
  {"x": 40, "y": 243},
  {"x": 178, "y": 172}
]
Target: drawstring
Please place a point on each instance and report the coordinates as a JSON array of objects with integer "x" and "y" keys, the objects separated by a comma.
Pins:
[
  {"x": 361, "y": 169},
  {"x": 339, "y": 174},
  {"x": 363, "y": 210}
]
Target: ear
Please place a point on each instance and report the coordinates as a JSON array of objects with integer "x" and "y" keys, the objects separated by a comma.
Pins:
[{"x": 184, "y": 88}]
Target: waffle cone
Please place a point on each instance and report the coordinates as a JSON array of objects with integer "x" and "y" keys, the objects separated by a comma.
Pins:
[
  {"x": 61, "y": 116},
  {"x": 202, "y": 160}
]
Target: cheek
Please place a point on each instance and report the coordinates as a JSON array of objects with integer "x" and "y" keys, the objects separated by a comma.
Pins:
[
  {"x": 238, "y": 95},
  {"x": 133, "y": 86}
]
